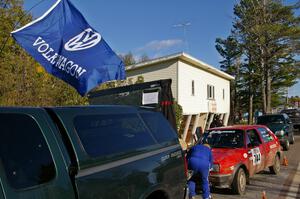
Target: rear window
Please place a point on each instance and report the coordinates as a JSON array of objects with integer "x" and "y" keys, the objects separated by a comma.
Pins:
[
  {"x": 224, "y": 138},
  {"x": 270, "y": 119},
  {"x": 108, "y": 134},
  {"x": 159, "y": 126}
]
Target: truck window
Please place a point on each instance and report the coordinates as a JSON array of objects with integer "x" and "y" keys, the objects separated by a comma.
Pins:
[
  {"x": 104, "y": 135},
  {"x": 24, "y": 153},
  {"x": 268, "y": 119},
  {"x": 159, "y": 126}
]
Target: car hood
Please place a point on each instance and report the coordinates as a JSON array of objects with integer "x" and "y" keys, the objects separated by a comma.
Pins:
[{"x": 228, "y": 154}]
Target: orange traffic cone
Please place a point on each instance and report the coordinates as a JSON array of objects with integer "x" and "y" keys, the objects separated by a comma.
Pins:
[
  {"x": 285, "y": 161},
  {"x": 263, "y": 195}
]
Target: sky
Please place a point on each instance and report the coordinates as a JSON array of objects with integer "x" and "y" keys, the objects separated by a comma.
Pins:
[{"x": 155, "y": 28}]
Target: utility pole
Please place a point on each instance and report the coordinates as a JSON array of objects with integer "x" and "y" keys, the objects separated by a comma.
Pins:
[{"x": 184, "y": 26}]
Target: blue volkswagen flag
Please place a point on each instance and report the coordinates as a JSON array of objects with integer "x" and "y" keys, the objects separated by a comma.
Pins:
[{"x": 69, "y": 48}]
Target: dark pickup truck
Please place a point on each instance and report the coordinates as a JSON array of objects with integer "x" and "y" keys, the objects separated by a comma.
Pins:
[
  {"x": 88, "y": 152},
  {"x": 294, "y": 115}
]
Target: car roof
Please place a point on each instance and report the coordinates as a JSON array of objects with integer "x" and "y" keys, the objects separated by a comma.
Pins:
[{"x": 239, "y": 127}]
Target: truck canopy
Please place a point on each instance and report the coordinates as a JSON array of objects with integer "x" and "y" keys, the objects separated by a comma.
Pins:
[{"x": 154, "y": 95}]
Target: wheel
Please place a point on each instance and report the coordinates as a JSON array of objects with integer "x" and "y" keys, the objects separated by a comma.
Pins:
[
  {"x": 239, "y": 182},
  {"x": 293, "y": 140},
  {"x": 275, "y": 168},
  {"x": 286, "y": 145}
]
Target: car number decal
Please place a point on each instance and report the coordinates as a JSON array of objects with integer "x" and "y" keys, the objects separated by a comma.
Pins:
[{"x": 256, "y": 156}]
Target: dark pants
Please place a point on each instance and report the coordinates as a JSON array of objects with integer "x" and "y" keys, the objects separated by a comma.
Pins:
[{"x": 201, "y": 168}]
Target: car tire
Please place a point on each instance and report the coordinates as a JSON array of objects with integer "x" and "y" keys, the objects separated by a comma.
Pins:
[
  {"x": 286, "y": 145},
  {"x": 239, "y": 182},
  {"x": 275, "y": 168}
]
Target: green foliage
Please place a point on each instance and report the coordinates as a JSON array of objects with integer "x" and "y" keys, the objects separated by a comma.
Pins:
[
  {"x": 178, "y": 113},
  {"x": 231, "y": 51},
  {"x": 265, "y": 38},
  {"x": 118, "y": 83}
]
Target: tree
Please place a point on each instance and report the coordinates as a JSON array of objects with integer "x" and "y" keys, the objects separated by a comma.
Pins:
[
  {"x": 267, "y": 33},
  {"x": 128, "y": 59},
  {"x": 229, "y": 49},
  {"x": 274, "y": 31},
  {"x": 144, "y": 58}
]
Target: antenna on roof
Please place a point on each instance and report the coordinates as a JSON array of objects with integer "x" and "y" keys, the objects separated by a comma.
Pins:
[{"x": 184, "y": 26}]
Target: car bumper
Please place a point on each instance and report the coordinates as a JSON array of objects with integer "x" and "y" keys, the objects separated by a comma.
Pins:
[{"x": 221, "y": 180}]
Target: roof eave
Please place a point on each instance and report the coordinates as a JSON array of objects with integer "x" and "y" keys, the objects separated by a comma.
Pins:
[{"x": 185, "y": 57}]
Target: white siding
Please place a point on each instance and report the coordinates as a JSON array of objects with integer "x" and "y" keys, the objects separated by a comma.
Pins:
[
  {"x": 199, "y": 102},
  {"x": 165, "y": 70}
]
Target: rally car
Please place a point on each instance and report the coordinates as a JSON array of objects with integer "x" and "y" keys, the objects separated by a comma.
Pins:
[{"x": 239, "y": 152}]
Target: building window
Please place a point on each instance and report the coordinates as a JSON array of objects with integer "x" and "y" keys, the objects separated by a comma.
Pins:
[
  {"x": 223, "y": 94},
  {"x": 193, "y": 88},
  {"x": 210, "y": 92}
]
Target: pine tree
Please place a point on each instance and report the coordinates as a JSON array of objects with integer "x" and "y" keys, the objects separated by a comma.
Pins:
[
  {"x": 274, "y": 31},
  {"x": 267, "y": 33}
]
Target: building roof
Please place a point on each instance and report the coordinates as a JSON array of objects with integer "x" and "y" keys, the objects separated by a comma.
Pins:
[{"x": 184, "y": 57}]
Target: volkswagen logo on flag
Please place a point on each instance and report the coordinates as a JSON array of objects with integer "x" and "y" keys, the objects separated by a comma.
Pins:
[{"x": 86, "y": 39}]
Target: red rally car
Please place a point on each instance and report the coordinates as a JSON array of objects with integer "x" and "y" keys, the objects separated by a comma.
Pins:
[{"x": 239, "y": 152}]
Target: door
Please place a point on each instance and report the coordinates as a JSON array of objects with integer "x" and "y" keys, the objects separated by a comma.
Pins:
[
  {"x": 256, "y": 151},
  {"x": 270, "y": 145},
  {"x": 32, "y": 164}
]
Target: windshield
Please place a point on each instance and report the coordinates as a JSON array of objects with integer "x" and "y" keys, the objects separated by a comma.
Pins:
[
  {"x": 270, "y": 119},
  {"x": 224, "y": 138}
]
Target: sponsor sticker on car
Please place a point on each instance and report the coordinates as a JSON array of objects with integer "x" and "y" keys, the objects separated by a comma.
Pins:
[{"x": 256, "y": 156}]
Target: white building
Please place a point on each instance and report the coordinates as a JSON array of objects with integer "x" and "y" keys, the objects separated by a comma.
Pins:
[{"x": 202, "y": 90}]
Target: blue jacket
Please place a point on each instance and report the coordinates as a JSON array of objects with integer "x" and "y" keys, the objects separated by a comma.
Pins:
[{"x": 202, "y": 152}]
